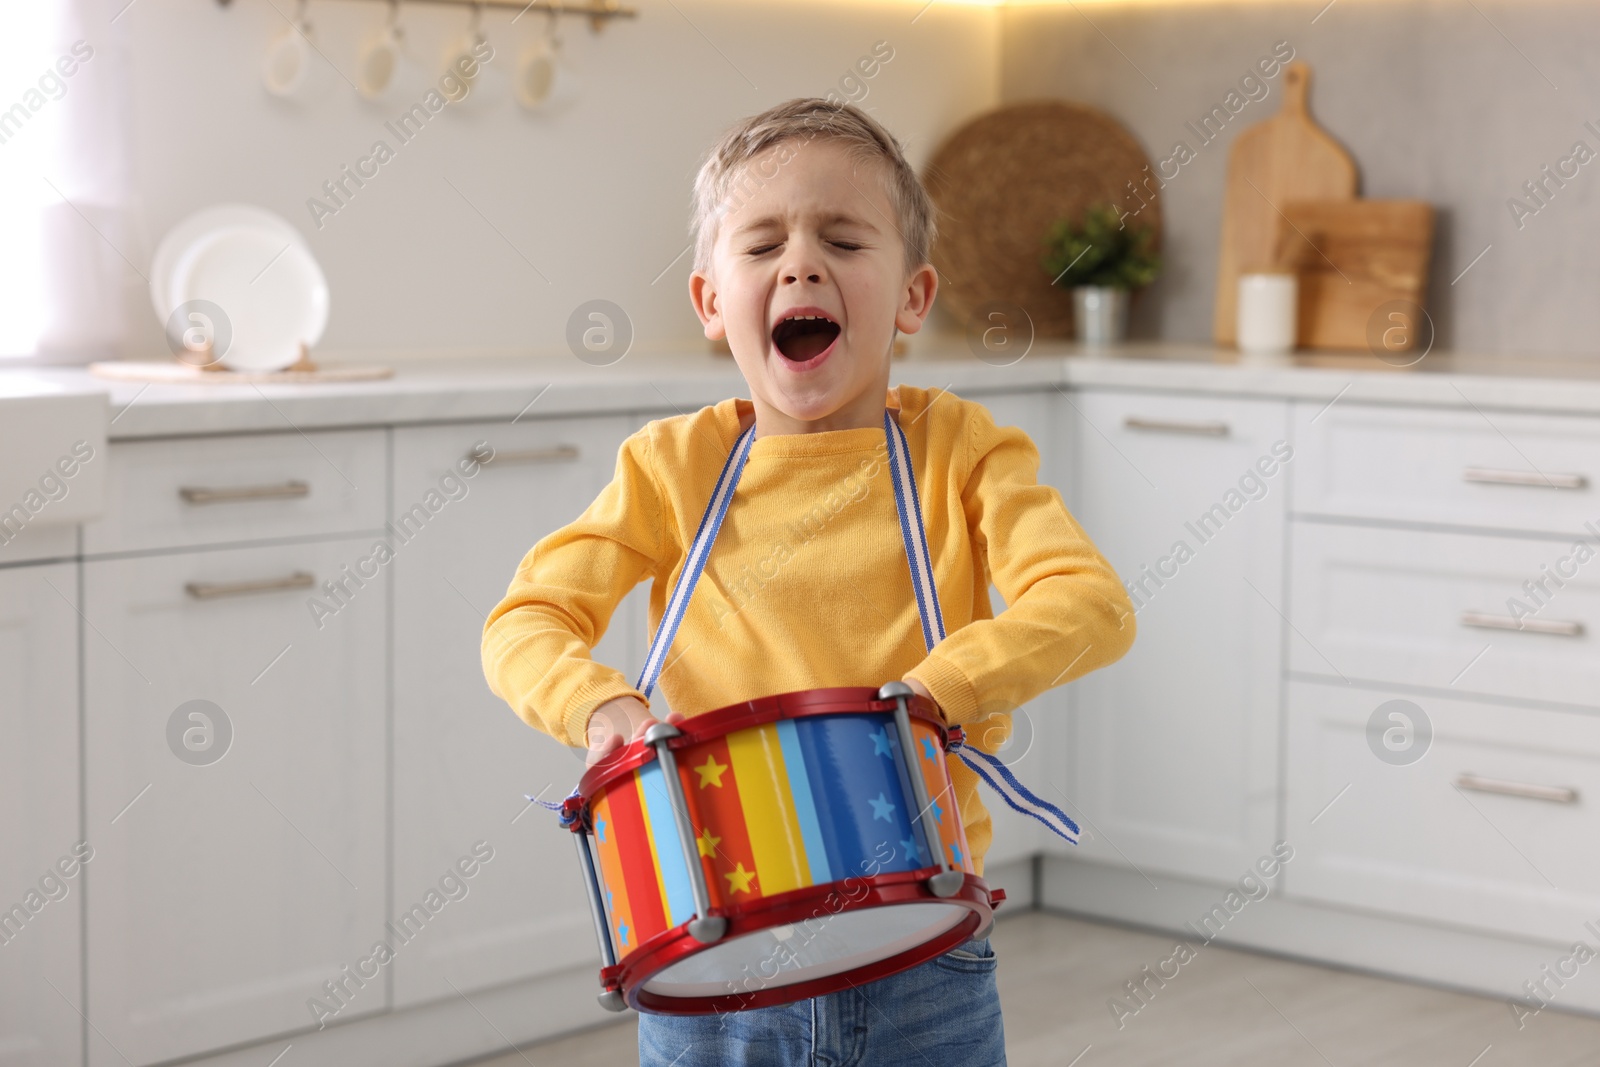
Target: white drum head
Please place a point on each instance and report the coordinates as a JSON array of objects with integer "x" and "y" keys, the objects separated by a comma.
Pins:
[{"x": 814, "y": 948}]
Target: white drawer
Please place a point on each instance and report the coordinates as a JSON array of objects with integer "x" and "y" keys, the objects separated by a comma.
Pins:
[
  {"x": 1487, "y": 829},
  {"x": 217, "y": 490},
  {"x": 1428, "y": 608},
  {"x": 1517, "y": 472}
]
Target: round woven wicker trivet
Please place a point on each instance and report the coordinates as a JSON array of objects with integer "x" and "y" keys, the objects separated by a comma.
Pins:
[{"x": 1001, "y": 181}]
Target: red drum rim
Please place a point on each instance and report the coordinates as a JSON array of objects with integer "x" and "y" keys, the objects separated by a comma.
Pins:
[
  {"x": 797, "y": 704},
  {"x": 900, "y": 887}
]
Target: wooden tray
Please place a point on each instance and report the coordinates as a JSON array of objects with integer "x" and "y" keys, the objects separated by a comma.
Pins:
[
  {"x": 1002, "y": 180},
  {"x": 1352, "y": 257}
]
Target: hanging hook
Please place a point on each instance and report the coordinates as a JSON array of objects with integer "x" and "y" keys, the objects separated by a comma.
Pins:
[
  {"x": 477, "y": 19},
  {"x": 394, "y": 15}
]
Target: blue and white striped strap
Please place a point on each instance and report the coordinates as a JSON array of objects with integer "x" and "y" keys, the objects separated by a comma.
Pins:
[
  {"x": 913, "y": 532},
  {"x": 994, "y": 771},
  {"x": 699, "y": 551}
]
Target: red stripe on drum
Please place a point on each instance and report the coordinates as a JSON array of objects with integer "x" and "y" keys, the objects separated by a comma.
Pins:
[
  {"x": 721, "y": 833},
  {"x": 638, "y": 862}
]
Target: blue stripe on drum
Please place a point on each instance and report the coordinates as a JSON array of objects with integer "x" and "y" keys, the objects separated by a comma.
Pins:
[
  {"x": 804, "y": 806},
  {"x": 668, "y": 853},
  {"x": 851, "y": 784}
]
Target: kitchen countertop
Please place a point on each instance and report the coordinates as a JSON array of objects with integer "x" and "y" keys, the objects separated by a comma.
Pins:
[{"x": 468, "y": 388}]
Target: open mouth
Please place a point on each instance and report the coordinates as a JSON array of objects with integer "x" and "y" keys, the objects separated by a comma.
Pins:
[{"x": 803, "y": 337}]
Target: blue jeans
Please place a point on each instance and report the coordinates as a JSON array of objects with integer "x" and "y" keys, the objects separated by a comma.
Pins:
[{"x": 943, "y": 1012}]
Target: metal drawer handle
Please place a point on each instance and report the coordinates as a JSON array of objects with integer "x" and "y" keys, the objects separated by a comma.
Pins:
[
  {"x": 199, "y": 495},
  {"x": 1556, "y": 794},
  {"x": 1558, "y": 627},
  {"x": 1207, "y": 428},
  {"x": 484, "y": 457},
  {"x": 1495, "y": 476},
  {"x": 213, "y": 590}
]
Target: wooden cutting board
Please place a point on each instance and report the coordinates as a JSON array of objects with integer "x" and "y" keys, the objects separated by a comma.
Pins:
[
  {"x": 1286, "y": 157},
  {"x": 1353, "y": 257}
]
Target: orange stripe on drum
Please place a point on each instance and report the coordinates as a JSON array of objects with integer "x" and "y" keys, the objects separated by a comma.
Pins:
[
  {"x": 931, "y": 761},
  {"x": 615, "y": 890}
]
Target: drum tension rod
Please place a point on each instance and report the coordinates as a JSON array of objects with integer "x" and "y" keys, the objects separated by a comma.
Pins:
[
  {"x": 610, "y": 999},
  {"x": 948, "y": 882},
  {"x": 704, "y": 927}
]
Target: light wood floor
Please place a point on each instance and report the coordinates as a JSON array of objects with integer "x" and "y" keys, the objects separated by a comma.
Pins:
[{"x": 1225, "y": 1008}]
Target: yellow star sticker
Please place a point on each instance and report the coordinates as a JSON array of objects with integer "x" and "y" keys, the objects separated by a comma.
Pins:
[
  {"x": 707, "y": 843},
  {"x": 711, "y": 772},
  {"x": 739, "y": 879}
]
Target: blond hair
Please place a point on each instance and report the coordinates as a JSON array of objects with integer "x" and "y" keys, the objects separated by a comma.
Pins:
[{"x": 806, "y": 118}]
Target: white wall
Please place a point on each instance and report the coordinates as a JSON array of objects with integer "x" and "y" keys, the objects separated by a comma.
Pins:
[
  {"x": 596, "y": 200},
  {"x": 1448, "y": 101}
]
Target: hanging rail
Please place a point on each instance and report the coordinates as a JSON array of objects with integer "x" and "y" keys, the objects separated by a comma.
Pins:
[{"x": 599, "y": 12}]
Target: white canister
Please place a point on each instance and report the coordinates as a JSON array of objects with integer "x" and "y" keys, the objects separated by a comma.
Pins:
[{"x": 1267, "y": 312}]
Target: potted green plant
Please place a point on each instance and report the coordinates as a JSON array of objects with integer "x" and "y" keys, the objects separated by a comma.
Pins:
[{"x": 1101, "y": 261}]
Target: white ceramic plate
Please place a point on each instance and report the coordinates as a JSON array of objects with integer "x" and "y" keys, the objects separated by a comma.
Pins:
[
  {"x": 196, "y": 227},
  {"x": 269, "y": 285}
]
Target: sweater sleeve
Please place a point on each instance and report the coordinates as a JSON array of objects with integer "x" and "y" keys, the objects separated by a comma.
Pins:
[
  {"x": 1067, "y": 612},
  {"x": 538, "y": 639}
]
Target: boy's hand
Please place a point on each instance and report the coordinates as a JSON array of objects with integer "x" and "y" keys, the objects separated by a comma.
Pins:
[
  {"x": 922, "y": 690},
  {"x": 615, "y": 723}
]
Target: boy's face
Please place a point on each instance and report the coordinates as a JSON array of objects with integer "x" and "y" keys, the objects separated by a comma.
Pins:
[{"x": 812, "y": 231}]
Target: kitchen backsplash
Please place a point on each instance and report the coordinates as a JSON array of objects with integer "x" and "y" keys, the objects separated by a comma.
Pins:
[
  {"x": 484, "y": 231},
  {"x": 1458, "y": 102}
]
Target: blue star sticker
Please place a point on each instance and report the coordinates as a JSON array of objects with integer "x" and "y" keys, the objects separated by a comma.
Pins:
[
  {"x": 938, "y": 812},
  {"x": 600, "y": 830},
  {"x": 927, "y": 747},
  {"x": 608, "y": 899},
  {"x": 622, "y": 932},
  {"x": 955, "y": 855},
  {"x": 881, "y": 808},
  {"x": 880, "y": 743},
  {"x": 911, "y": 849}
]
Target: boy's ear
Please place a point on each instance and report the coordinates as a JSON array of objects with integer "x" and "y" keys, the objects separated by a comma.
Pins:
[
  {"x": 703, "y": 295},
  {"x": 917, "y": 299}
]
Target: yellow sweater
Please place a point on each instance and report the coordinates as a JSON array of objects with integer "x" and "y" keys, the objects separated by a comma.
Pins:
[{"x": 807, "y": 584}]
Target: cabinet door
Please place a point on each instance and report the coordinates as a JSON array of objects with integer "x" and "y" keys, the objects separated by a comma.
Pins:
[
  {"x": 1175, "y": 745},
  {"x": 1447, "y": 811},
  {"x": 239, "y": 843},
  {"x": 1018, "y": 836},
  {"x": 40, "y": 903},
  {"x": 463, "y": 760}
]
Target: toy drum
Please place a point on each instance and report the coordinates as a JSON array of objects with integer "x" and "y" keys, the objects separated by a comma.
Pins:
[{"x": 774, "y": 850}]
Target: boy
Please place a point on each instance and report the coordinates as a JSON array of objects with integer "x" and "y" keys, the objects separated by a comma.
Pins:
[{"x": 811, "y": 252}]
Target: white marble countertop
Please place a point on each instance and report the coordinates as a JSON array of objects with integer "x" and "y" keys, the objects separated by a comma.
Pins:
[{"x": 469, "y": 387}]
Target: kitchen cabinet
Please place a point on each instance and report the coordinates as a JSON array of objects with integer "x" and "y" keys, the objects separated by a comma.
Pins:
[
  {"x": 1478, "y": 831},
  {"x": 236, "y": 792},
  {"x": 41, "y": 904},
  {"x": 1173, "y": 757},
  {"x": 463, "y": 760},
  {"x": 1452, "y": 611}
]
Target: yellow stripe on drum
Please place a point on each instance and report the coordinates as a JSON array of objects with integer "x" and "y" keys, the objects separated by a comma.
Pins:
[{"x": 769, "y": 813}]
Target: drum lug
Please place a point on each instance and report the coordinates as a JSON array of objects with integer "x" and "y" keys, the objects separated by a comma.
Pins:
[
  {"x": 704, "y": 927},
  {"x": 949, "y": 880},
  {"x": 611, "y": 1000},
  {"x": 661, "y": 731}
]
